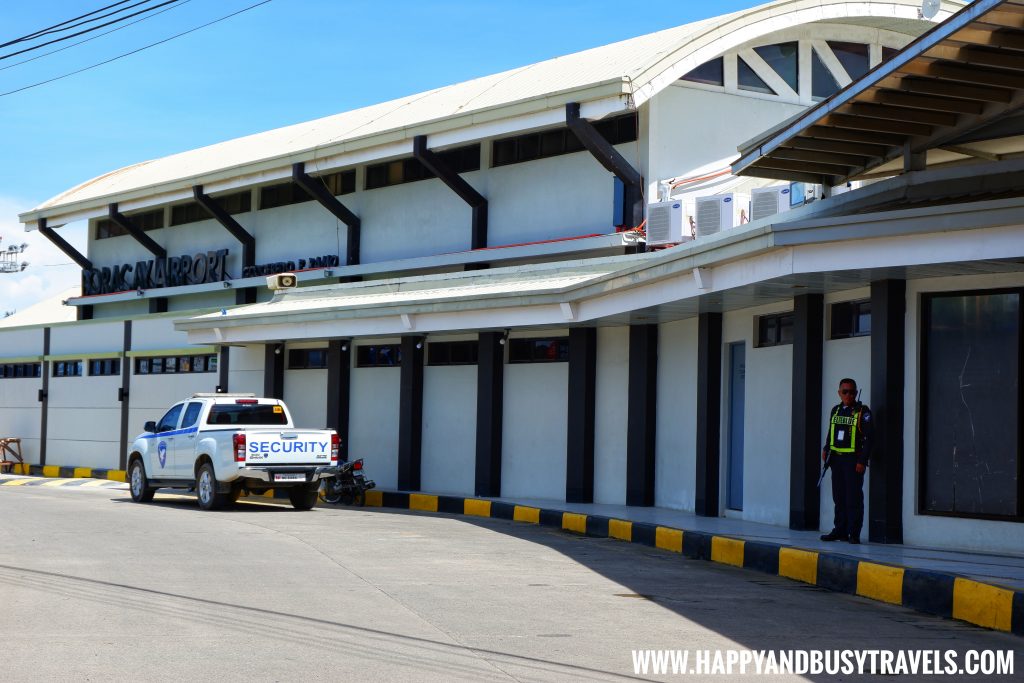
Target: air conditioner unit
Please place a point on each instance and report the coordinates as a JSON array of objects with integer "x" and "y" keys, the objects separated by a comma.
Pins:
[
  {"x": 721, "y": 212},
  {"x": 665, "y": 223},
  {"x": 768, "y": 201}
]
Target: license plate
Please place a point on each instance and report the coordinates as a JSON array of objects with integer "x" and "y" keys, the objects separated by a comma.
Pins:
[{"x": 290, "y": 476}]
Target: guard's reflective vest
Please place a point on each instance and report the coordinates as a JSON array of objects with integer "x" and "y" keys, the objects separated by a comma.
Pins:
[{"x": 842, "y": 434}]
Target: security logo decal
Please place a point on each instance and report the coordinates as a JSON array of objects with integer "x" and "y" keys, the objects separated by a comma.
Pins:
[{"x": 161, "y": 452}]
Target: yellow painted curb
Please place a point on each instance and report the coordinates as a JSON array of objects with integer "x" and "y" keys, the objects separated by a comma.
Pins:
[
  {"x": 572, "y": 521},
  {"x": 22, "y": 468},
  {"x": 374, "y": 499},
  {"x": 477, "y": 508},
  {"x": 116, "y": 475},
  {"x": 82, "y": 473},
  {"x": 422, "y": 502},
  {"x": 51, "y": 470},
  {"x": 982, "y": 604},
  {"x": 668, "y": 539},
  {"x": 801, "y": 565},
  {"x": 620, "y": 529},
  {"x": 526, "y": 514},
  {"x": 727, "y": 550},
  {"x": 880, "y": 582}
]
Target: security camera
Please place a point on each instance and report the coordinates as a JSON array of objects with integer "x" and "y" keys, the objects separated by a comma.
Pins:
[{"x": 283, "y": 281}]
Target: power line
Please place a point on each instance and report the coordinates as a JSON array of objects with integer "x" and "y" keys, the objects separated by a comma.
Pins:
[
  {"x": 132, "y": 52},
  {"x": 88, "y": 30},
  {"x": 46, "y": 32},
  {"x": 48, "y": 28},
  {"x": 87, "y": 40}
]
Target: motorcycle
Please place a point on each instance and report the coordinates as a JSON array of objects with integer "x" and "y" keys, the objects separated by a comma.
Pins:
[{"x": 349, "y": 487}]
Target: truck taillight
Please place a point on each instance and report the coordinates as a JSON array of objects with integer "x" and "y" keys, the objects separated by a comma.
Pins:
[
  {"x": 358, "y": 464},
  {"x": 335, "y": 448},
  {"x": 239, "y": 442}
]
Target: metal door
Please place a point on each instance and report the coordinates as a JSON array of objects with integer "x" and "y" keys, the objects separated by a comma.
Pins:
[{"x": 737, "y": 384}]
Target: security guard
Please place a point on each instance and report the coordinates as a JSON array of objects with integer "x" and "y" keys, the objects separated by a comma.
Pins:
[{"x": 847, "y": 446}]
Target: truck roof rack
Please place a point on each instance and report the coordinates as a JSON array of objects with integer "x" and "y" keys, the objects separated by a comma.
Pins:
[{"x": 223, "y": 395}]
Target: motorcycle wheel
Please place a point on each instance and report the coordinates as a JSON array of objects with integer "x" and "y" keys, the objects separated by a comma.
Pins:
[
  {"x": 329, "y": 493},
  {"x": 346, "y": 499},
  {"x": 360, "y": 499}
]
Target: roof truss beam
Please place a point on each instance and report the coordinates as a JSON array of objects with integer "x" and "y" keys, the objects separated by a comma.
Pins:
[
  {"x": 965, "y": 74},
  {"x": 776, "y": 174},
  {"x": 878, "y": 125},
  {"x": 862, "y": 150},
  {"x": 315, "y": 189},
  {"x": 817, "y": 170},
  {"x": 63, "y": 245},
  {"x": 897, "y": 113},
  {"x": 141, "y": 237},
  {"x": 927, "y": 102},
  {"x": 247, "y": 241},
  {"x": 458, "y": 185},
  {"x": 843, "y": 161}
]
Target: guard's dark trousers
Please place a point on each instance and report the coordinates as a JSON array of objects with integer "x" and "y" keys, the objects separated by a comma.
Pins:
[{"x": 847, "y": 494}]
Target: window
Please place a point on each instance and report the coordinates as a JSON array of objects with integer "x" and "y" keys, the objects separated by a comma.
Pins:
[
  {"x": 970, "y": 405},
  {"x": 514, "y": 150},
  {"x": 169, "y": 422},
  {"x": 538, "y": 350},
  {"x": 888, "y": 53},
  {"x": 855, "y": 57},
  {"x": 775, "y": 330},
  {"x": 67, "y": 368},
  {"x": 710, "y": 73},
  {"x": 246, "y": 414},
  {"x": 145, "y": 220},
  {"x": 452, "y": 353},
  {"x": 748, "y": 80},
  {"x": 301, "y": 359},
  {"x": 169, "y": 365},
  {"x": 192, "y": 411},
  {"x": 851, "y": 319},
  {"x": 105, "y": 367},
  {"x": 783, "y": 58},
  {"x": 823, "y": 83},
  {"x": 20, "y": 370},
  {"x": 460, "y": 160},
  {"x": 238, "y": 202},
  {"x": 383, "y": 356},
  {"x": 283, "y": 194}
]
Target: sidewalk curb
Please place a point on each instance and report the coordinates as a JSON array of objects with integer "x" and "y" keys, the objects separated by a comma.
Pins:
[
  {"x": 937, "y": 593},
  {"x": 68, "y": 472}
]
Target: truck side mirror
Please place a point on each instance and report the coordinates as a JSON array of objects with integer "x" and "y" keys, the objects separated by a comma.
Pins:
[{"x": 149, "y": 427}]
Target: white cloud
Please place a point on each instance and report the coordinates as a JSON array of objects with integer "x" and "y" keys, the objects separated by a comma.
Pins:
[{"x": 50, "y": 271}]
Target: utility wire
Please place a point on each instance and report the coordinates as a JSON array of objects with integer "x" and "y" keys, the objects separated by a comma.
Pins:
[
  {"x": 88, "y": 30},
  {"x": 46, "y": 32},
  {"x": 144, "y": 47},
  {"x": 30, "y": 36},
  {"x": 105, "y": 33}
]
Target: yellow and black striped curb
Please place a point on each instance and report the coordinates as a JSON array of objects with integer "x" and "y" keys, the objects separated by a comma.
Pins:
[
  {"x": 57, "y": 471},
  {"x": 938, "y": 593}
]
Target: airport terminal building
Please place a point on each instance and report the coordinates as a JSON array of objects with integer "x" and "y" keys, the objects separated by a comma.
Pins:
[{"x": 560, "y": 283}]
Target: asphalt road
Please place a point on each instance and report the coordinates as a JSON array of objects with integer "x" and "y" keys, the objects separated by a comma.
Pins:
[{"x": 95, "y": 587}]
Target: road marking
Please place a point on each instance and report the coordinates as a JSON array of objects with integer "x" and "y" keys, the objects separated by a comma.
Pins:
[
  {"x": 56, "y": 482},
  {"x": 16, "y": 482}
]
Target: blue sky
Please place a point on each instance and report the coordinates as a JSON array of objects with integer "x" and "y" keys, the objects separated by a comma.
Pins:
[{"x": 281, "y": 63}]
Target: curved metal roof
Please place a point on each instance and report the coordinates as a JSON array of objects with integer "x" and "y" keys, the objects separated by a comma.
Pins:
[{"x": 631, "y": 71}]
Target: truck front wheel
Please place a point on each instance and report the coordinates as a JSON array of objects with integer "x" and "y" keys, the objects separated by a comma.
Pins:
[
  {"x": 206, "y": 489},
  {"x": 138, "y": 483},
  {"x": 304, "y": 497}
]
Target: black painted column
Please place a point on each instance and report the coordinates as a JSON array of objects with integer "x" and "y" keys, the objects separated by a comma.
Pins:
[
  {"x": 642, "y": 418},
  {"x": 579, "y": 456},
  {"x": 410, "y": 414},
  {"x": 709, "y": 413},
  {"x": 273, "y": 370},
  {"x": 44, "y": 397},
  {"x": 490, "y": 406},
  {"x": 888, "y": 344},
  {"x": 223, "y": 369},
  {"x": 339, "y": 374},
  {"x": 805, "y": 424},
  {"x": 123, "y": 394}
]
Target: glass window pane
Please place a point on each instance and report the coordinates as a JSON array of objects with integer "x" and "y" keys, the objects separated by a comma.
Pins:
[
  {"x": 784, "y": 59},
  {"x": 970, "y": 404},
  {"x": 823, "y": 83},
  {"x": 748, "y": 80},
  {"x": 711, "y": 73},
  {"x": 855, "y": 57}
]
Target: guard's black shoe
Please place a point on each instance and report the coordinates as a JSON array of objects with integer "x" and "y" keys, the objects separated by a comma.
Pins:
[
  {"x": 855, "y": 540},
  {"x": 833, "y": 536}
]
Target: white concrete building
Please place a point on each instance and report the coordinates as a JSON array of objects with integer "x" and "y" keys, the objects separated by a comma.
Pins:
[{"x": 478, "y": 315}]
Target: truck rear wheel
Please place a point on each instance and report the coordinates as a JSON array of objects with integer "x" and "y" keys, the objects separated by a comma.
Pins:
[
  {"x": 206, "y": 489},
  {"x": 138, "y": 483},
  {"x": 304, "y": 497}
]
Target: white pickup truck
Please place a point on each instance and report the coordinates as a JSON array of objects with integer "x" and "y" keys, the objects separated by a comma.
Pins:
[{"x": 224, "y": 444}]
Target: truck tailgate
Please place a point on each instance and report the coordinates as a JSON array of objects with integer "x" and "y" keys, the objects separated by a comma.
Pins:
[{"x": 287, "y": 447}]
